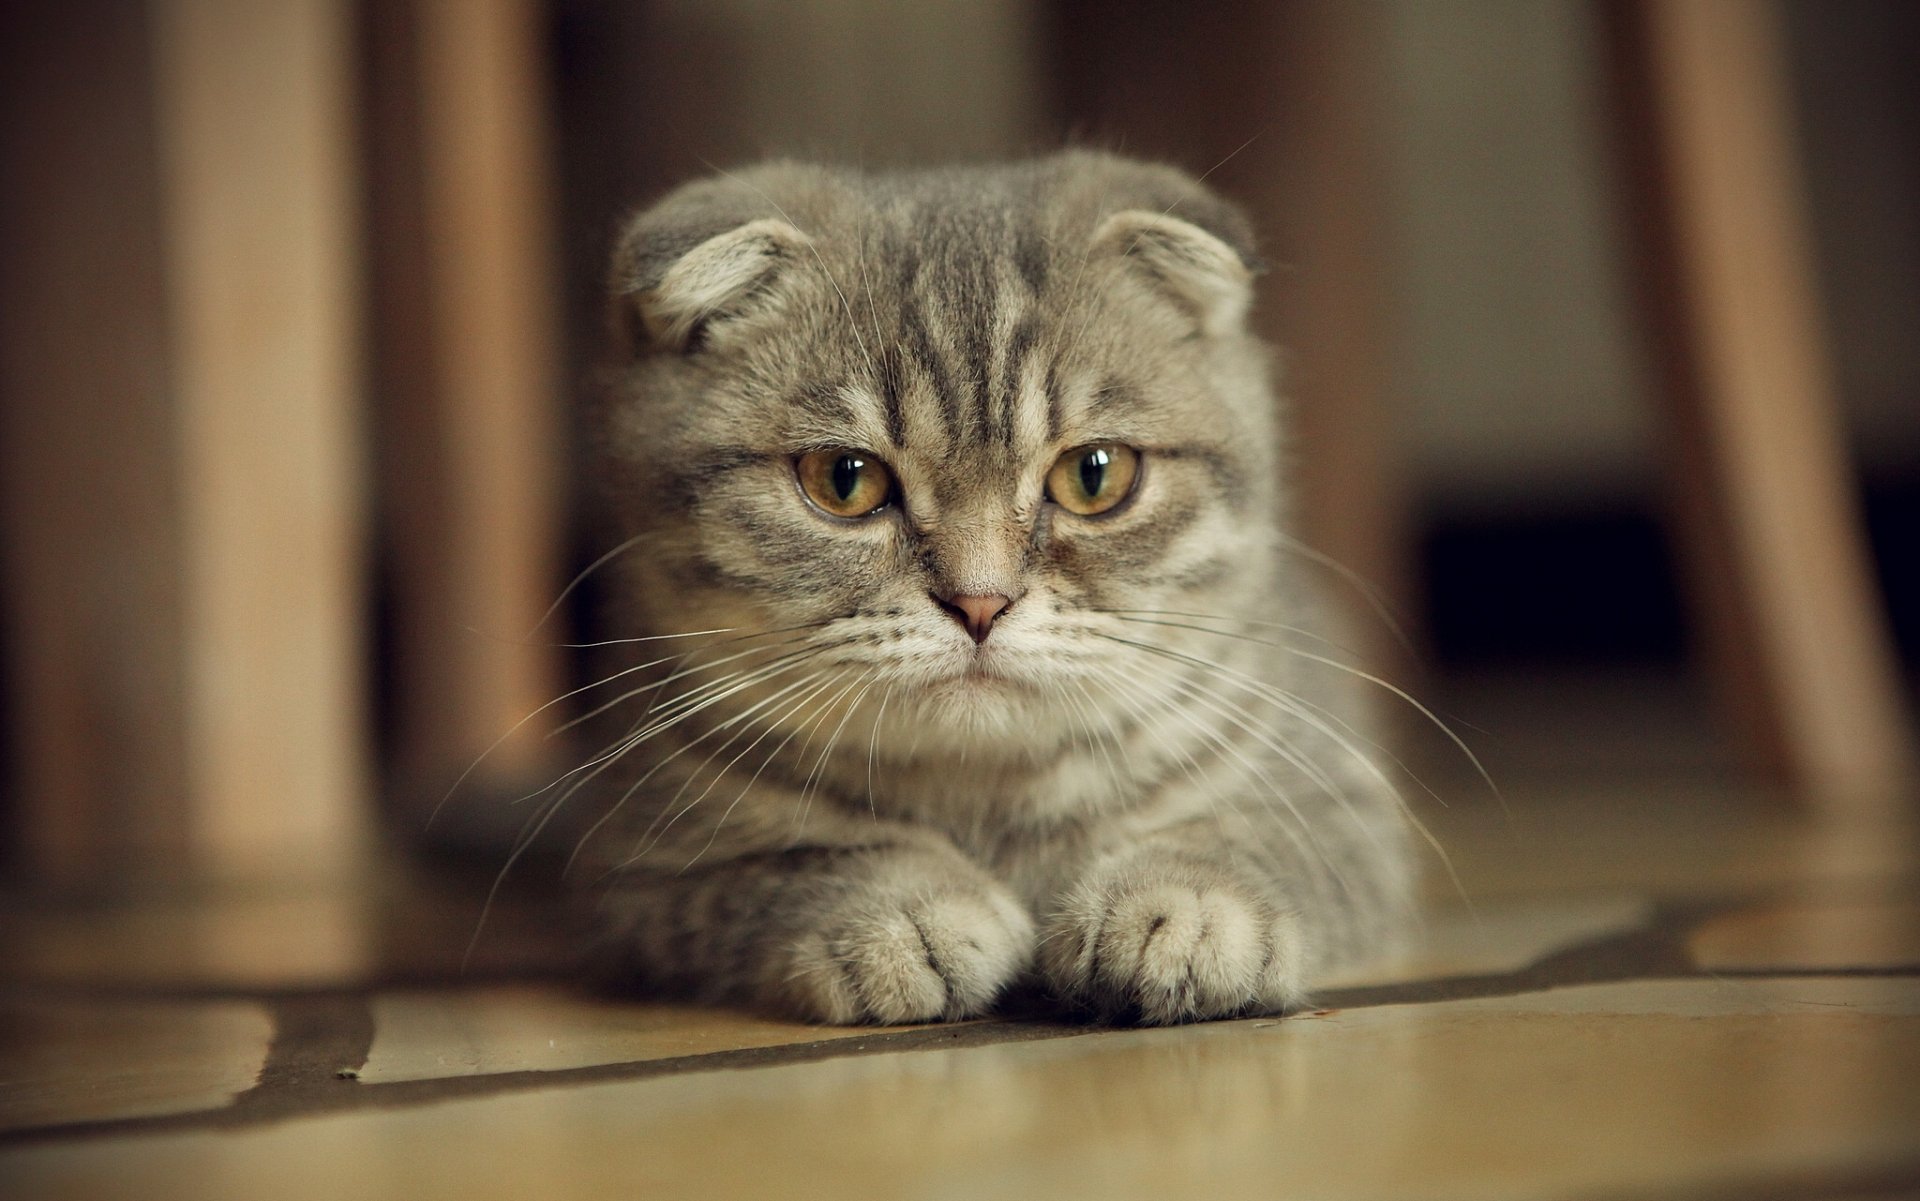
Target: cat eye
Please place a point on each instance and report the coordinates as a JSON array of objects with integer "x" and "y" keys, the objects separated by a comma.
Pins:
[
  {"x": 845, "y": 483},
  {"x": 1089, "y": 480}
]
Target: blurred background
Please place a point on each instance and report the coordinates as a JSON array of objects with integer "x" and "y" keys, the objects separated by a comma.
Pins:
[{"x": 1602, "y": 323}]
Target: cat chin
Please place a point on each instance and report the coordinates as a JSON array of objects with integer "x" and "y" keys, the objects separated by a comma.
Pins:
[
  {"x": 975, "y": 686},
  {"x": 981, "y": 713}
]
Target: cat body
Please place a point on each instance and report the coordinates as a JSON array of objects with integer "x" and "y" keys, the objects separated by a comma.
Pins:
[{"x": 947, "y": 519}]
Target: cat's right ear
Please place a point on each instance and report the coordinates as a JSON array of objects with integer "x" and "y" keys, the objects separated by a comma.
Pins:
[
  {"x": 1205, "y": 274},
  {"x": 673, "y": 289}
]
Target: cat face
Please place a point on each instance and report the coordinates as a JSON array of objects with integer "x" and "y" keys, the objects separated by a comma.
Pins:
[{"x": 946, "y": 435}]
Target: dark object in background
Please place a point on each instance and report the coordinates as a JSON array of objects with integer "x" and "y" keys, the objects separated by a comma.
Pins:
[
  {"x": 1598, "y": 586},
  {"x": 1590, "y": 587}
]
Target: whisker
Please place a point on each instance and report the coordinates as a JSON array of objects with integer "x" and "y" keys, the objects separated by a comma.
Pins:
[
  {"x": 820, "y": 763},
  {"x": 813, "y": 730},
  {"x": 648, "y": 837},
  {"x": 1280, "y": 699},
  {"x": 680, "y": 674},
  {"x": 1094, "y": 742},
  {"x": 592, "y": 567},
  {"x": 1425, "y": 712},
  {"x": 1146, "y": 714},
  {"x": 1395, "y": 689},
  {"x": 623, "y": 746},
  {"x": 1149, "y": 616},
  {"x": 530, "y": 836},
  {"x": 781, "y": 746},
  {"x": 521, "y": 724},
  {"x": 650, "y": 726},
  {"x": 873, "y": 743},
  {"x": 694, "y": 775},
  {"x": 771, "y": 724},
  {"x": 1314, "y": 775},
  {"x": 1319, "y": 709},
  {"x": 1370, "y": 592}
]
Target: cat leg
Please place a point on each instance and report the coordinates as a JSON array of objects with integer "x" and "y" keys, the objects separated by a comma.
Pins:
[
  {"x": 873, "y": 931},
  {"x": 1175, "y": 928}
]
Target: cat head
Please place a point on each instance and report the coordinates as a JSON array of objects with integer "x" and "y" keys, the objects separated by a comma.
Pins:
[{"x": 950, "y": 433}]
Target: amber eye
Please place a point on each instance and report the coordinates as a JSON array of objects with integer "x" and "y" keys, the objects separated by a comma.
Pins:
[
  {"x": 845, "y": 483},
  {"x": 1092, "y": 479}
]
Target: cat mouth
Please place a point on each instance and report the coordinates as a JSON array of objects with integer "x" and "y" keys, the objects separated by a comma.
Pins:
[
  {"x": 987, "y": 671},
  {"x": 981, "y": 669}
]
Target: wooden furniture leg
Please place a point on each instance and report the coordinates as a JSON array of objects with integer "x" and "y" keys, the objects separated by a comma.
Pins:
[
  {"x": 1333, "y": 319},
  {"x": 183, "y": 534},
  {"x": 468, "y": 417},
  {"x": 1769, "y": 520}
]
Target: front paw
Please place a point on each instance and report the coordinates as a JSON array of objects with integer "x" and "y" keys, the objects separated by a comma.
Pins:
[
  {"x": 1159, "y": 943},
  {"x": 892, "y": 958}
]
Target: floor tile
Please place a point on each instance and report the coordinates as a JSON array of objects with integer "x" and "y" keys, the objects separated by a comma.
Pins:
[
  {"x": 1863, "y": 933},
  {"x": 435, "y": 1035},
  {"x": 339, "y": 934},
  {"x": 1503, "y": 934},
  {"x": 1671, "y": 840},
  {"x": 82, "y": 1061},
  {"x": 1610, "y": 1089}
]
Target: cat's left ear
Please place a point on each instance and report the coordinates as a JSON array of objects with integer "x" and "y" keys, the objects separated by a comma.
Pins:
[{"x": 1196, "y": 269}]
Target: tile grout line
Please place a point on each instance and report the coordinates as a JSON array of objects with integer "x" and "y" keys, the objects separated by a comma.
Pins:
[
  {"x": 321, "y": 1039},
  {"x": 316, "y": 1040},
  {"x": 298, "y": 1092},
  {"x": 308, "y": 1096},
  {"x": 1884, "y": 1183}
]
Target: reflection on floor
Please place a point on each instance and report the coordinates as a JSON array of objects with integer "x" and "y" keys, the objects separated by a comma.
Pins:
[{"x": 1649, "y": 996}]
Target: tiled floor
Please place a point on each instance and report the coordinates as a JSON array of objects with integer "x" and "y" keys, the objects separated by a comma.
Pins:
[{"x": 1654, "y": 993}]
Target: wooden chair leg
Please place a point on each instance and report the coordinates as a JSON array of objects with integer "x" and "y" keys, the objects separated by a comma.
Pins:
[
  {"x": 468, "y": 421},
  {"x": 1768, "y": 516},
  {"x": 183, "y": 555},
  {"x": 1333, "y": 317}
]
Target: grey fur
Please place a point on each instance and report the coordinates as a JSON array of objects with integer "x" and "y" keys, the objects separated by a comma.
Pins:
[{"x": 1134, "y": 792}]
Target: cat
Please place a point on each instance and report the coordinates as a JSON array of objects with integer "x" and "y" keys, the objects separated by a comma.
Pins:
[{"x": 947, "y": 507}]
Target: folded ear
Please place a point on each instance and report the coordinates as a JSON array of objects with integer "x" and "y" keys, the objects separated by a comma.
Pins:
[
  {"x": 1195, "y": 269},
  {"x": 675, "y": 286}
]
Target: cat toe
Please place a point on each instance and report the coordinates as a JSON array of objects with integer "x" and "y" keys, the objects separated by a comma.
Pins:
[
  {"x": 929, "y": 959},
  {"x": 1167, "y": 953}
]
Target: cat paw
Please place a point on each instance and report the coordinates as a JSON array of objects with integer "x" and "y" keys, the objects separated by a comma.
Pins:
[
  {"x": 925, "y": 958},
  {"x": 1161, "y": 946}
]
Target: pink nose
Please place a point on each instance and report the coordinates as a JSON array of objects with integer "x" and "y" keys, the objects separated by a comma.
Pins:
[{"x": 976, "y": 613}]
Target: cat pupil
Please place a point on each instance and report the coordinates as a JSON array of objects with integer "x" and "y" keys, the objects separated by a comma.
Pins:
[
  {"x": 1093, "y": 471},
  {"x": 846, "y": 476}
]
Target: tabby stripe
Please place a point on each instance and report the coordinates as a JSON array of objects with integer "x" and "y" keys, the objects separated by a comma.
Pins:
[
  {"x": 920, "y": 344},
  {"x": 1201, "y": 759},
  {"x": 825, "y": 401},
  {"x": 1030, "y": 256},
  {"x": 1112, "y": 396},
  {"x": 1148, "y": 543},
  {"x": 680, "y": 490},
  {"x": 729, "y": 458},
  {"x": 1054, "y": 417},
  {"x": 1208, "y": 572},
  {"x": 1226, "y": 470},
  {"x": 1019, "y": 346},
  {"x": 979, "y": 356},
  {"x": 896, "y": 417}
]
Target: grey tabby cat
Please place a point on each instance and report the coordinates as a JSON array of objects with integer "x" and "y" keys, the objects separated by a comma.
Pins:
[{"x": 959, "y": 490}]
